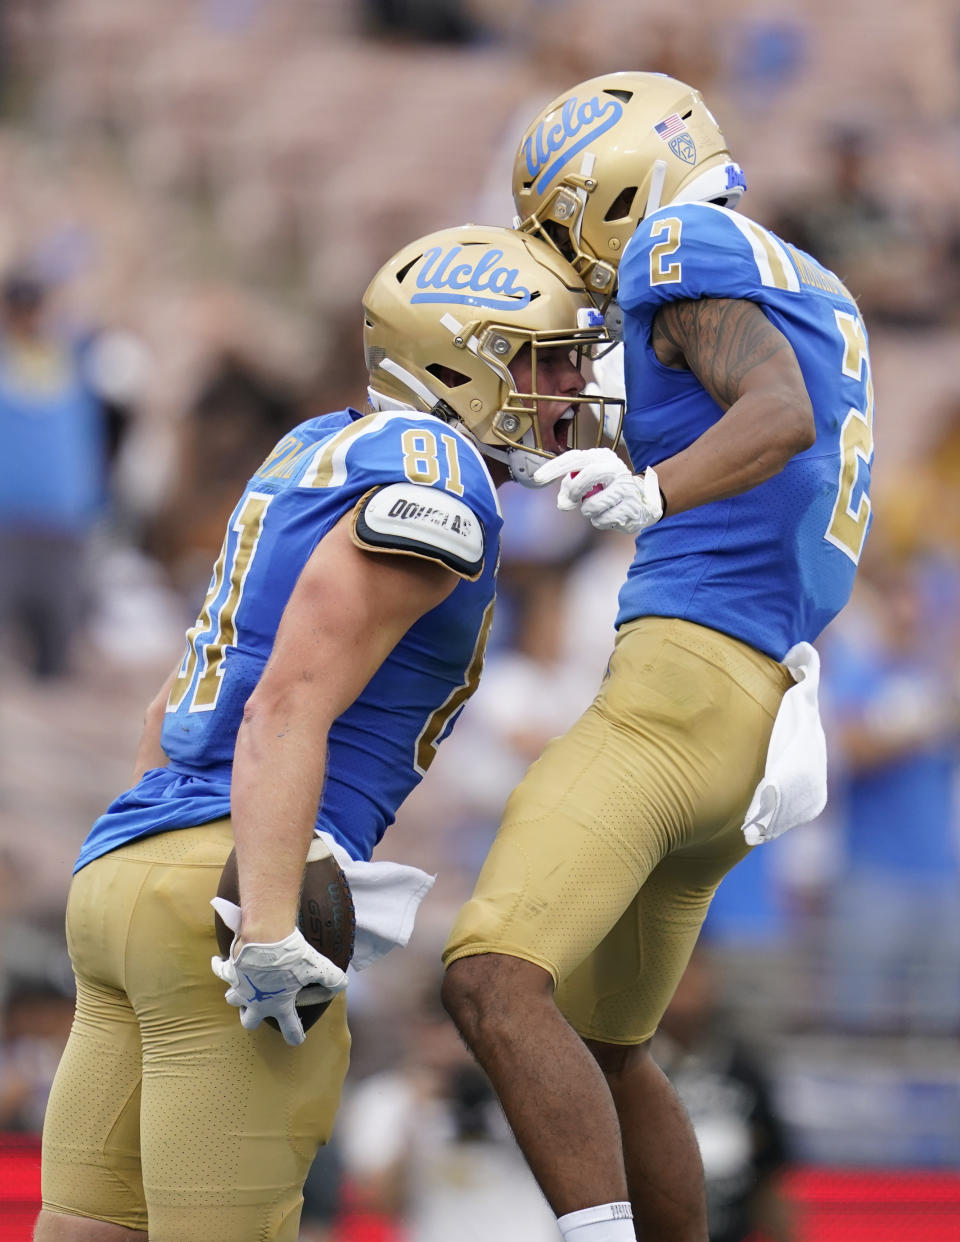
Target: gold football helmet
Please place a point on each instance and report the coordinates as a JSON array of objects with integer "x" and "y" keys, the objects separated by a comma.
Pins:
[
  {"x": 445, "y": 318},
  {"x": 608, "y": 152}
]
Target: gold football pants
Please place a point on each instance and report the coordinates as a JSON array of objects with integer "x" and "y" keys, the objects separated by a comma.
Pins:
[
  {"x": 613, "y": 844},
  {"x": 164, "y": 1109}
]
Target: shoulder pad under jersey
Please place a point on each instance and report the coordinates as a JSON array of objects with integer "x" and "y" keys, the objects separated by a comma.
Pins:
[
  {"x": 390, "y": 446},
  {"x": 699, "y": 250},
  {"x": 421, "y": 521}
]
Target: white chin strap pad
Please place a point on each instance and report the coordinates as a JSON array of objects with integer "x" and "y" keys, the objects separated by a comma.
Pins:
[
  {"x": 519, "y": 461},
  {"x": 379, "y": 402},
  {"x": 523, "y": 465}
]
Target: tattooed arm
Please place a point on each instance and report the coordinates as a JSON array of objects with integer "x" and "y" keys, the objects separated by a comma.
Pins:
[{"x": 749, "y": 368}]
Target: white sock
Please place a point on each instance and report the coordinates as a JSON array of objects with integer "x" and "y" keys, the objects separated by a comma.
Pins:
[{"x": 610, "y": 1222}]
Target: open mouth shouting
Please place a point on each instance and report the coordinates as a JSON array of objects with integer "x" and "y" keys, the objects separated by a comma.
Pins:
[{"x": 562, "y": 430}]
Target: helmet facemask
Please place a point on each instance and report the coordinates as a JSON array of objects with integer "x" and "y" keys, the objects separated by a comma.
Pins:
[
  {"x": 559, "y": 222},
  {"x": 574, "y": 420},
  {"x": 422, "y": 355}
]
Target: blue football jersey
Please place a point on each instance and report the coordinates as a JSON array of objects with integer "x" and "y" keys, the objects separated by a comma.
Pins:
[
  {"x": 773, "y": 565},
  {"x": 415, "y": 486}
]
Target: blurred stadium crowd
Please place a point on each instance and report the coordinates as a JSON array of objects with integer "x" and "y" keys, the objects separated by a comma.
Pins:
[{"x": 195, "y": 195}]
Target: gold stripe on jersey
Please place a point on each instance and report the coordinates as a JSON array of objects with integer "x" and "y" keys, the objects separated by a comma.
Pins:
[
  {"x": 848, "y": 528},
  {"x": 283, "y": 459},
  {"x": 202, "y": 626},
  {"x": 248, "y": 526},
  {"x": 782, "y": 273},
  {"x": 816, "y": 276},
  {"x": 773, "y": 262},
  {"x": 327, "y": 469},
  {"x": 432, "y": 731}
]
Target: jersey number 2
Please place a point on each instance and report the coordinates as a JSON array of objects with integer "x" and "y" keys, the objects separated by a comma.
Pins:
[{"x": 848, "y": 526}]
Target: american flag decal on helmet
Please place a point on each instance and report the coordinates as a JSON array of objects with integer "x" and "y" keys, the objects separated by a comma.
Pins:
[{"x": 670, "y": 126}]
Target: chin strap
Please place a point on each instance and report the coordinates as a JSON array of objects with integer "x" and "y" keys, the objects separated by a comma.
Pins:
[
  {"x": 380, "y": 403},
  {"x": 520, "y": 461},
  {"x": 417, "y": 388},
  {"x": 523, "y": 465},
  {"x": 655, "y": 193}
]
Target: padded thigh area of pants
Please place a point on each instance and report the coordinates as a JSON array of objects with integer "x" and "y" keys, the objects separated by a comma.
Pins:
[{"x": 166, "y": 1112}]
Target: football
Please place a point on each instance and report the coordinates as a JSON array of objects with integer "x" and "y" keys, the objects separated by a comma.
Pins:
[{"x": 325, "y": 917}]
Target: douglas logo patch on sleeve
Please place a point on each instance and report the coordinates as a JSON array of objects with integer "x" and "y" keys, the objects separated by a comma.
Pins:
[{"x": 421, "y": 521}]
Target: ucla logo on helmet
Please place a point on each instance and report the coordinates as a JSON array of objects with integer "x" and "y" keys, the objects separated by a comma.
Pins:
[
  {"x": 577, "y": 126},
  {"x": 684, "y": 148},
  {"x": 444, "y": 277}
]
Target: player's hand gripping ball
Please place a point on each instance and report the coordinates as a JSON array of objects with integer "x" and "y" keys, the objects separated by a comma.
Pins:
[{"x": 325, "y": 919}]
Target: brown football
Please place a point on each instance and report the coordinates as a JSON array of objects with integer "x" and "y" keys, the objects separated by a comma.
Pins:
[{"x": 326, "y": 916}]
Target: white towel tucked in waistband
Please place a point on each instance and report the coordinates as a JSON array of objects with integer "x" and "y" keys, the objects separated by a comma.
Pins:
[
  {"x": 794, "y": 786},
  {"x": 386, "y": 897}
]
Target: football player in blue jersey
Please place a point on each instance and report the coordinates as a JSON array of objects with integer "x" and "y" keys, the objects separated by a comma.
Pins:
[
  {"x": 749, "y": 425},
  {"x": 341, "y": 634}
]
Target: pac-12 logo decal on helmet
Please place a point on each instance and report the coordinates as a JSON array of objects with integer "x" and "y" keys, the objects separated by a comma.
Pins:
[
  {"x": 684, "y": 148},
  {"x": 673, "y": 131},
  {"x": 443, "y": 279},
  {"x": 598, "y": 113}
]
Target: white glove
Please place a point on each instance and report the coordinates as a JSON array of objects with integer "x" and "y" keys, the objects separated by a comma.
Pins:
[
  {"x": 265, "y": 979},
  {"x": 608, "y": 493}
]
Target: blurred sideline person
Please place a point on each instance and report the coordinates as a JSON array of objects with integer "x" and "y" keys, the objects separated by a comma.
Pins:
[
  {"x": 892, "y": 916},
  {"x": 35, "y": 1020},
  {"x": 724, "y": 1087},
  {"x": 53, "y": 479},
  {"x": 749, "y": 421},
  {"x": 342, "y": 632},
  {"x": 425, "y": 1143}
]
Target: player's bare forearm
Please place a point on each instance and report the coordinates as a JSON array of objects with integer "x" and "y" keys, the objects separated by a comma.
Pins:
[
  {"x": 277, "y": 782},
  {"x": 750, "y": 369},
  {"x": 346, "y": 614},
  {"x": 150, "y": 754}
]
